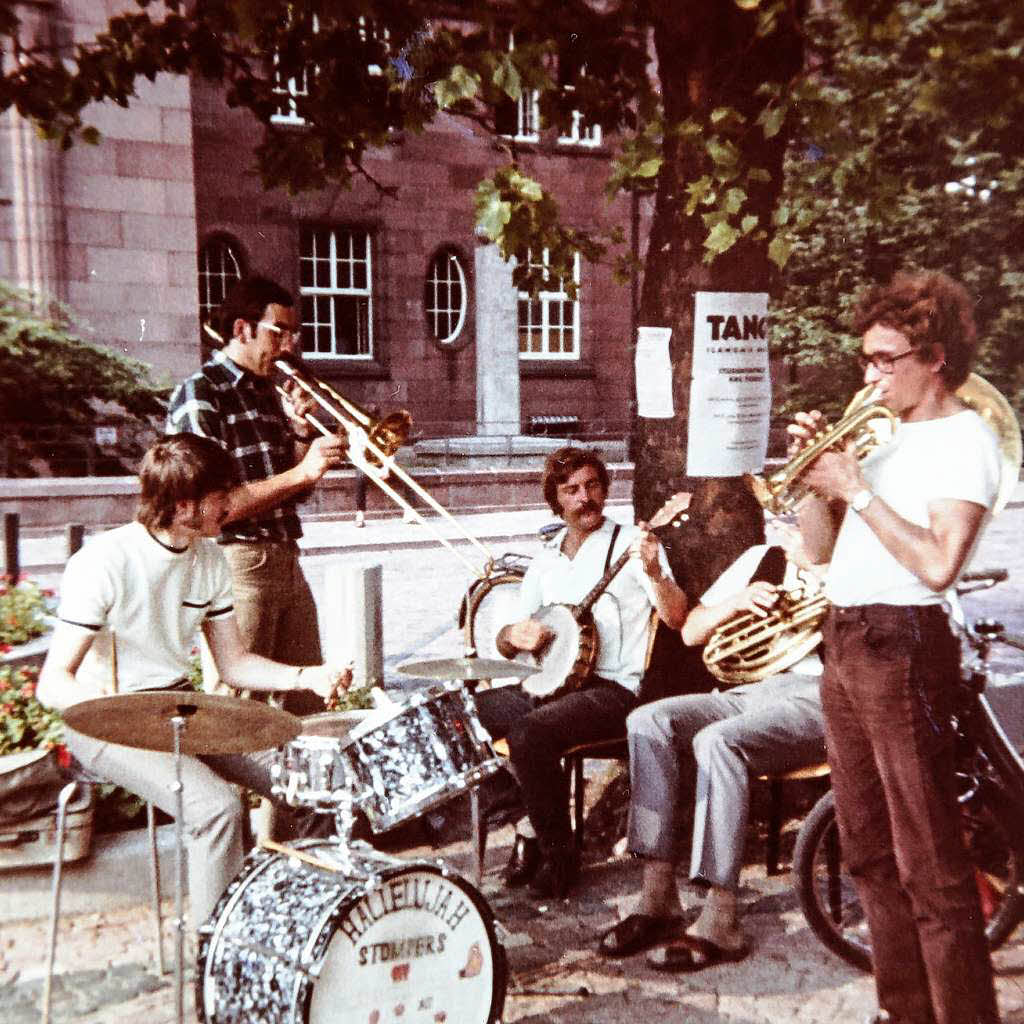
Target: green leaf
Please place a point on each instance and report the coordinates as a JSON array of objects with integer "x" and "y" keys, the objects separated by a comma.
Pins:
[
  {"x": 720, "y": 238},
  {"x": 779, "y": 251},
  {"x": 733, "y": 200},
  {"x": 492, "y": 212},
  {"x": 649, "y": 168},
  {"x": 749, "y": 223},
  {"x": 461, "y": 84},
  {"x": 699, "y": 191},
  {"x": 747, "y": 5},
  {"x": 772, "y": 119},
  {"x": 506, "y": 77}
]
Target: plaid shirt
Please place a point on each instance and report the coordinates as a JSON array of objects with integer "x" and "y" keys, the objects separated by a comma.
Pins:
[{"x": 242, "y": 413}]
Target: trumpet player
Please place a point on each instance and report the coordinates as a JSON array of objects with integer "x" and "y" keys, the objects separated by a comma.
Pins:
[
  {"x": 898, "y": 527},
  {"x": 698, "y": 753},
  {"x": 232, "y": 400}
]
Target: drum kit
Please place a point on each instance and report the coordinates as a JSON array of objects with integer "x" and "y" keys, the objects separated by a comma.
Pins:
[{"x": 332, "y": 930}]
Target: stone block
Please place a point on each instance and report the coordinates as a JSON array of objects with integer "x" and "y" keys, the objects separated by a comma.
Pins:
[
  {"x": 158, "y": 160},
  {"x": 176, "y": 127},
  {"x": 108, "y": 192},
  {"x": 94, "y": 227},
  {"x": 134, "y": 122},
  {"x": 180, "y": 198},
  {"x": 127, "y": 265},
  {"x": 159, "y": 233}
]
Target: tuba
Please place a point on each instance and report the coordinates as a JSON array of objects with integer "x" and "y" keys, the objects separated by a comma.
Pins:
[{"x": 751, "y": 647}]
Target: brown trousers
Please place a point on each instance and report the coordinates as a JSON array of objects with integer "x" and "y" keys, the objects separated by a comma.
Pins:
[{"x": 889, "y": 677}]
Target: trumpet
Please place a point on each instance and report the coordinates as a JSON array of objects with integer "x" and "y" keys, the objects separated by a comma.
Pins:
[
  {"x": 751, "y": 647},
  {"x": 865, "y": 424},
  {"x": 372, "y": 444}
]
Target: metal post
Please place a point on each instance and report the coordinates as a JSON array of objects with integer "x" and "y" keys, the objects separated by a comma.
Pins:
[
  {"x": 74, "y": 536},
  {"x": 353, "y": 601},
  {"x": 178, "y": 724},
  {"x": 12, "y": 564}
]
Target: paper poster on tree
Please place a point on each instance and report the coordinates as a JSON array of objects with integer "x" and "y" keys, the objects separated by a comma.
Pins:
[{"x": 730, "y": 394}]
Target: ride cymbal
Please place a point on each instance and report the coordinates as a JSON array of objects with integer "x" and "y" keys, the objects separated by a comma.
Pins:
[
  {"x": 213, "y": 724},
  {"x": 467, "y": 668}
]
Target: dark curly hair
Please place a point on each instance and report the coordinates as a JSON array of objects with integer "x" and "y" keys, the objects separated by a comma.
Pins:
[
  {"x": 929, "y": 308},
  {"x": 561, "y": 464}
]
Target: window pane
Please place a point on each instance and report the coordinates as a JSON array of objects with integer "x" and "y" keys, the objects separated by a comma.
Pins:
[
  {"x": 444, "y": 296},
  {"x": 219, "y": 267}
]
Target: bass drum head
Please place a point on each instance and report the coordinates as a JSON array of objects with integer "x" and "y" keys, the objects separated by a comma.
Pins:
[
  {"x": 420, "y": 947},
  {"x": 295, "y": 943}
]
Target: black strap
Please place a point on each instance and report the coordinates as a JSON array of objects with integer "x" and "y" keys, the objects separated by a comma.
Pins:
[
  {"x": 611, "y": 548},
  {"x": 771, "y": 568}
]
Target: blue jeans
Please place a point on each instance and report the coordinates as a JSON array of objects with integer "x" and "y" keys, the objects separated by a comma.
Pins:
[{"x": 890, "y": 675}]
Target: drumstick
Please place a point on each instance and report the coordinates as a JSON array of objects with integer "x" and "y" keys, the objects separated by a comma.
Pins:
[
  {"x": 113, "y": 660},
  {"x": 269, "y": 844}
]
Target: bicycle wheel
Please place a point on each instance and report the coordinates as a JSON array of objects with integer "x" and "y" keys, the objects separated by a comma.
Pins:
[{"x": 829, "y": 899}]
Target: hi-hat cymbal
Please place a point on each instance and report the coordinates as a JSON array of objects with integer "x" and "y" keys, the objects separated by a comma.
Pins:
[
  {"x": 467, "y": 668},
  {"x": 213, "y": 724}
]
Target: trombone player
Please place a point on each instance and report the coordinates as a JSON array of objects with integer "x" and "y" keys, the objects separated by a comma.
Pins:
[
  {"x": 897, "y": 529},
  {"x": 277, "y": 460}
]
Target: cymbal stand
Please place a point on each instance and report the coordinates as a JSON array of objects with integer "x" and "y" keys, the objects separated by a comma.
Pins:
[{"x": 178, "y": 722}]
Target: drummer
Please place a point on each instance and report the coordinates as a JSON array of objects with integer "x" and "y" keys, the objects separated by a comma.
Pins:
[{"x": 132, "y": 601}]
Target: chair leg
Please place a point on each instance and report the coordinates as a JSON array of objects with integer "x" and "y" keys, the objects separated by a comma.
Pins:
[
  {"x": 66, "y": 795},
  {"x": 577, "y": 801},
  {"x": 154, "y": 874},
  {"x": 478, "y": 826},
  {"x": 773, "y": 839}
]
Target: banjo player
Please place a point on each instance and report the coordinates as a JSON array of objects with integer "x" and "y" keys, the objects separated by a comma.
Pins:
[{"x": 575, "y": 485}]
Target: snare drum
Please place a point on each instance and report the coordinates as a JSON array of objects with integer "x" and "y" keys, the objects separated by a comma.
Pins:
[
  {"x": 414, "y": 756},
  {"x": 294, "y": 943},
  {"x": 311, "y": 770}
]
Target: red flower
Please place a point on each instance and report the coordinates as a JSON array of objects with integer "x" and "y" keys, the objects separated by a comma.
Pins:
[
  {"x": 7, "y": 709},
  {"x": 63, "y": 756},
  {"x": 29, "y": 689},
  {"x": 48, "y": 592}
]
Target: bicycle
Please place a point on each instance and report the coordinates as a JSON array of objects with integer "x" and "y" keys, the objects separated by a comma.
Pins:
[{"x": 990, "y": 775}]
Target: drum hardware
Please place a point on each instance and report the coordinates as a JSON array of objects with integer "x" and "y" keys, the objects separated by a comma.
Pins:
[
  {"x": 403, "y": 759},
  {"x": 200, "y": 723}
]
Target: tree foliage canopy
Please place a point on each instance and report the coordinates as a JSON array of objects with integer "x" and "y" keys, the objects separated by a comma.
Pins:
[{"x": 55, "y": 389}]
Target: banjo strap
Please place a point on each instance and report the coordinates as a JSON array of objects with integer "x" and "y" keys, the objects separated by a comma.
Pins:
[{"x": 611, "y": 548}]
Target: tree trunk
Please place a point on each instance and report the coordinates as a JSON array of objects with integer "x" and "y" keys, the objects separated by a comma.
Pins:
[{"x": 709, "y": 56}]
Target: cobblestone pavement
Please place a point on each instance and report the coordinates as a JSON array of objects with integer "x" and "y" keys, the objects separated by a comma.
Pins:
[{"x": 555, "y": 974}]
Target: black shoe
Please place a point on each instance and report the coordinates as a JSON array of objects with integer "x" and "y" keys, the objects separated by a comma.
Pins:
[
  {"x": 523, "y": 863},
  {"x": 556, "y": 876},
  {"x": 636, "y": 933}
]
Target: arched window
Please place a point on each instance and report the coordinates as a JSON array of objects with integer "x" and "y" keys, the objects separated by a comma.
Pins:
[
  {"x": 220, "y": 265},
  {"x": 445, "y": 296}
]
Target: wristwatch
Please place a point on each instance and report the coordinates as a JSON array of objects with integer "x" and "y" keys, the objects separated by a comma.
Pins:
[{"x": 862, "y": 499}]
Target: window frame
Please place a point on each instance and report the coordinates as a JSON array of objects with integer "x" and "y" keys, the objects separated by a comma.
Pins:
[
  {"x": 235, "y": 247},
  {"x": 547, "y": 298},
  {"x": 335, "y": 358},
  {"x": 460, "y": 336}
]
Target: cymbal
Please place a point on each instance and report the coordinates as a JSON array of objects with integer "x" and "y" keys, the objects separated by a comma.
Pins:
[
  {"x": 213, "y": 724},
  {"x": 467, "y": 668}
]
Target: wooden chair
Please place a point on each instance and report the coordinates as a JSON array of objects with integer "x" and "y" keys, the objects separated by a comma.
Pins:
[{"x": 776, "y": 784}]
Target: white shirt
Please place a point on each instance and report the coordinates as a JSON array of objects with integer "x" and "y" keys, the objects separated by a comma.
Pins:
[
  {"x": 151, "y": 597},
  {"x": 739, "y": 575},
  {"x": 622, "y": 613},
  {"x": 954, "y": 457}
]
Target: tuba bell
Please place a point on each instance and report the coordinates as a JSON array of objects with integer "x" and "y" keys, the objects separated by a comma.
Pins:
[{"x": 751, "y": 647}]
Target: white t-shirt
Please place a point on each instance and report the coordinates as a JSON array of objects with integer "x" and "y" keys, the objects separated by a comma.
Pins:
[
  {"x": 622, "y": 613},
  {"x": 738, "y": 575},
  {"x": 153, "y": 598},
  {"x": 953, "y": 457}
]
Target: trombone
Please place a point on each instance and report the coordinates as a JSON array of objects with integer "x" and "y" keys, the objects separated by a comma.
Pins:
[{"x": 372, "y": 443}]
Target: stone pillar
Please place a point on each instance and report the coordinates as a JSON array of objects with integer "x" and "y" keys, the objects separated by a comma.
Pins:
[
  {"x": 35, "y": 175},
  {"x": 497, "y": 345}
]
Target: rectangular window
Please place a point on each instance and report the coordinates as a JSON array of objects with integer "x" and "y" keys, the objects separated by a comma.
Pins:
[
  {"x": 549, "y": 324},
  {"x": 336, "y": 287}
]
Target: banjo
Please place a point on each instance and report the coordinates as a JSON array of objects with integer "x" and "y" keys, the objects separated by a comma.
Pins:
[{"x": 567, "y": 661}]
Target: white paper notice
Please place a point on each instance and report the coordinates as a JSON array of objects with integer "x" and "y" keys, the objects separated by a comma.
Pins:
[
  {"x": 731, "y": 395},
  {"x": 654, "y": 373}
]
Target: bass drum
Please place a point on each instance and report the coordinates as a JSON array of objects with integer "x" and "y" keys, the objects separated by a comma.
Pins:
[{"x": 389, "y": 942}]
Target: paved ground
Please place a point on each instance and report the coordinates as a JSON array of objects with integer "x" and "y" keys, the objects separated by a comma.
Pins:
[{"x": 555, "y": 975}]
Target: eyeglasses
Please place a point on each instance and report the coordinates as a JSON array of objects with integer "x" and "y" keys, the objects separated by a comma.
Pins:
[
  {"x": 881, "y": 361},
  {"x": 284, "y": 332}
]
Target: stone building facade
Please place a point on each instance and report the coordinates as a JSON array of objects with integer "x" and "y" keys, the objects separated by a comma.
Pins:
[{"x": 403, "y": 305}]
